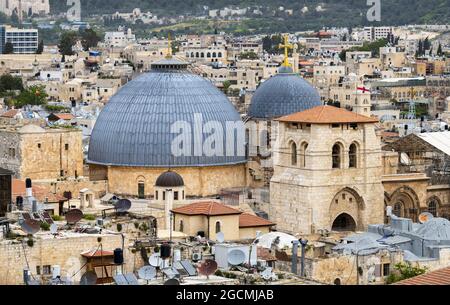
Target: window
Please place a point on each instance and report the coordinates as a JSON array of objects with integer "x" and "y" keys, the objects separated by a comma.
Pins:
[
  {"x": 46, "y": 269},
  {"x": 293, "y": 153},
  {"x": 164, "y": 195},
  {"x": 336, "y": 156},
  {"x": 218, "y": 227},
  {"x": 156, "y": 195},
  {"x": 432, "y": 207},
  {"x": 353, "y": 156},
  {"x": 397, "y": 209},
  {"x": 303, "y": 149},
  {"x": 175, "y": 195},
  {"x": 66, "y": 147},
  {"x": 12, "y": 152},
  {"x": 386, "y": 269},
  {"x": 181, "y": 226},
  {"x": 39, "y": 145}
]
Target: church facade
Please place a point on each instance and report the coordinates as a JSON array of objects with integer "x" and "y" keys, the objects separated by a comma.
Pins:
[{"x": 327, "y": 172}]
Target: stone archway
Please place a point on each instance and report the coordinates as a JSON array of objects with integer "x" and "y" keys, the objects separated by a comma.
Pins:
[
  {"x": 405, "y": 203},
  {"x": 347, "y": 202},
  {"x": 344, "y": 222}
]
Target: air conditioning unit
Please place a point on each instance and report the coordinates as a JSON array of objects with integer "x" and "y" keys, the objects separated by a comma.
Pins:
[{"x": 196, "y": 257}]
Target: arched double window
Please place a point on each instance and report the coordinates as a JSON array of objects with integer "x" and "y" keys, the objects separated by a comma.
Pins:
[
  {"x": 303, "y": 149},
  {"x": 337, "y": 155},
  {"x": 398, "y": 209},
  {"x": 293, "y": 154},
  {"x": 353, "y": 156}
]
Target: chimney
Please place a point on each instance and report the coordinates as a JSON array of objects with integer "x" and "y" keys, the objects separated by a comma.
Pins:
[{"x": 29, "y": 189}]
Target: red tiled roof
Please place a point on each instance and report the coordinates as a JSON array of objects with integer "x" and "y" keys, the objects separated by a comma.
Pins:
[
  {"x": 438, "y": 277},
  {"x": 247, "y": 220},
  {"x": 39, "y": 192},
  {"x": 97, "y": 253},
  {"x": 209, "y": 208},
  {"x": 10, "y": 114},
  {"x": 326, "y": 115},
  {"x": 63, "y": 116},
  {"x": 265, "y": 254}
]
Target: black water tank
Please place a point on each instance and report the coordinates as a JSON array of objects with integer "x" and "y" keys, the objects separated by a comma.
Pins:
[
  {"x": 28, "y": 183},
  {"x": 165, "y": 251},
  {"x": 118, "y": 256}
]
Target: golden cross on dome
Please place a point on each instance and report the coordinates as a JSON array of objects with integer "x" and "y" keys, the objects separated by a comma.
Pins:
[{"x": 286, "y": 47}]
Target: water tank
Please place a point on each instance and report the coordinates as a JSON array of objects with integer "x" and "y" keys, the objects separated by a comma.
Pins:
[
  {"x": 165, "y": 251},
  {"x": 56, "y": 271},
  {"x": 176, "y": 255},
  {"x": 118, "y": 256}
]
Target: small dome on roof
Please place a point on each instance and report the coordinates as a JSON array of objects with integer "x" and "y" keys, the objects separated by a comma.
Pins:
[
  {"x": 31, "y": 129},
  {"x": 169, "y": 179}
]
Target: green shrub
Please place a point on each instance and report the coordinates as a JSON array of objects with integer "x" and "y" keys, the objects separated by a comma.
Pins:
[
  {"x": 57, "y": 217},
  {"x": 45, "y": 226},
  {"x": 89, "y": 217},
  {"x": 404, "y": 271}
]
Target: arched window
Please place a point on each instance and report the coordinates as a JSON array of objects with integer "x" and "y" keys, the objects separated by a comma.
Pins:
[
  {"x": 293, "y": 153},
  {"x": 181, "y": 226},
  {"x": 397, "y": 210},
  {"x": 208, "y": 55},
  {"x": 202, "y": 55},
  {"x": 336, "y": 156},
  {"x": 303, "y": 149},
  {"x": 214, "y": 54},
  {"x": 218, "y": 227},
  {"x": 337, "y": 282},
  {"x": 197, "y": 54},
  {"x": 433, "y": 207},
  {"x": 192, "y": 54},
  {"x": 353, "y": 156},
  {"x": 219, "y": 55}
]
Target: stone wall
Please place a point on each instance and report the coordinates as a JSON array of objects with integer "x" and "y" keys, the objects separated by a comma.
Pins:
[
  {"x": 74, "y": 186},
  {"x": 62, "y": 251},
  {"x": 10, "y": 140},
  {"x": 303, "y": 196},
  {"x": 199, "y": 181}
]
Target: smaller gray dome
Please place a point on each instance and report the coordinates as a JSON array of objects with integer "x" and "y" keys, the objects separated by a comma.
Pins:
[{"x": 169, "y": 179}]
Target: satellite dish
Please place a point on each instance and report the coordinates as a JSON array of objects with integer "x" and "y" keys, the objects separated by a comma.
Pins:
[
  {"x": 123, "y": 205},
  {"x": 54, "y": 228},
  {"x": 74, "y": 216},
  {"x": 236, "y": 257},
  {"x": 147, "y": 273},
  {"x": 155, "y": 260},
  {"x": 88, "y": 278},
  {"x": 424, "y": 217},
  {"x": 31, "y": 226},
  {"x": 172, "y": 282},
  {"x": 208, "y": 267},
  {"x": 267, "y": 274},
  {"x": 220, "y": 237}
]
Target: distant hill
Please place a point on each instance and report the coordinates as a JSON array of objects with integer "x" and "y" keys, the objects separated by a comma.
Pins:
[{"x": 335, "y": 12}]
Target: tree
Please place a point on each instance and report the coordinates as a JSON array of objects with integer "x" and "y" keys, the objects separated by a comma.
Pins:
[
  {"x": 40, "y": 48},
  {"x": 89, "y": 39},
  {"x": 10, "y": 83},
  {"x": 34, "y": 95},
  {"x": 67, "y": 41},
  {"x": 404, "y": 271},
  {"x": 9, "y": 48},
  {"x": 226, "y": 86}
]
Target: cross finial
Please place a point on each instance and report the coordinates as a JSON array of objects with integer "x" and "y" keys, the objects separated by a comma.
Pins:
[{"x": 286, "y": 47}]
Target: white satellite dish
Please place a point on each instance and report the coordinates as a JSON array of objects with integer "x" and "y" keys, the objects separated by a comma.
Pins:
[
  {"x": 425, "y": 216},
  {"x": 236, "y": 257},
  {"x": 155, "y": 260},
  {"x": 147, "y": 273},
  {"x": 267, "y": 274},
  {"x": 220, "y": 237}
]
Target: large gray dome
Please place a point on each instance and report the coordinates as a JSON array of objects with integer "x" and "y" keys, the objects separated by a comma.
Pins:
[
  {"x": 134, "y": 128},
  {"x": 283, "y": 94}
]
